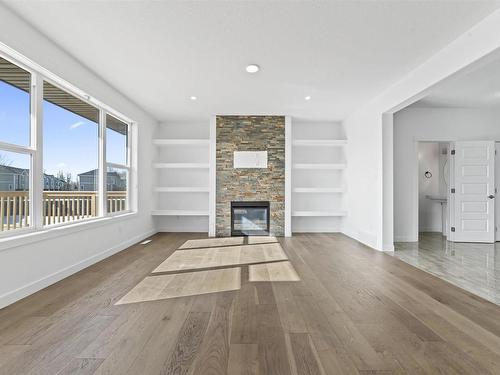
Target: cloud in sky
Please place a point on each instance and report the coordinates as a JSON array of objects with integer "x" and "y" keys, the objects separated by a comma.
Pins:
[
  {"x": 61, "y": 165},
  {"x": 76, "y": 125}
]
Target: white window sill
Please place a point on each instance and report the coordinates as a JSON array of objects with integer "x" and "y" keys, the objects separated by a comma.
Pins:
[{"x": 30, "y": 235}]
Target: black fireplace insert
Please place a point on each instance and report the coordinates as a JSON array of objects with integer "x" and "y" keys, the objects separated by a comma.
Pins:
[{"x": 250, "y": 218}]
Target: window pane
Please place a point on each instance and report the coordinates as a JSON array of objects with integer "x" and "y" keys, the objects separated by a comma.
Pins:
[
  {"x": 70, "y": 159},
  {"x": 14, "y": 190},
  {"x": 14, "y": 104},
  {"x": 116, "y": 140},
  {"x": 117, "y": 189}
]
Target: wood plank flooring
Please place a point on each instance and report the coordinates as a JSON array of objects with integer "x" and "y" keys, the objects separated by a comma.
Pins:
[{"x": 353, "y": 311}]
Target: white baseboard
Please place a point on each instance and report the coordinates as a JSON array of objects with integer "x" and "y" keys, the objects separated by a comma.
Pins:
[
  {"x": 365, "y": 238},
  {"x": 389, "y": 247},
  {"x": 33, "y": 287}
]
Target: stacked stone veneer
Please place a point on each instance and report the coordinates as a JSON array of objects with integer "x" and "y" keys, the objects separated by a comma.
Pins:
[{"x": 250, "y": 133}]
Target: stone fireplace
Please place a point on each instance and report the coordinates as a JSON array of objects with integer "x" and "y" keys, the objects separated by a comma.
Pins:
[{"x": 247, "y": 185}]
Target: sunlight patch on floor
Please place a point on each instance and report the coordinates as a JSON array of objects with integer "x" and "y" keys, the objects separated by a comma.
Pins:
[
  {"x": 278, "y": 271},
  {"x": 222, "y": 256},
  {"x": 264, "y": 256},
  {"x": 154, "y": 288},
  {"x": 227, "y": 241}
]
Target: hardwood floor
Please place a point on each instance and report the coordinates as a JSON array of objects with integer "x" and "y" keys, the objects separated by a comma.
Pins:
[{"x": 353, "y": 311}]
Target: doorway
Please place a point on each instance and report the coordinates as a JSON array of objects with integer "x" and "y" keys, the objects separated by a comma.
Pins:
[{"x": 433, "y": 186}]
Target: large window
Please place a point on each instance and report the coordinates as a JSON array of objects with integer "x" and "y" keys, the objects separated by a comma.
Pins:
[
  {"x": 15, "y": 150},
  {"x": 63, "y": 156},
  {"x": 70, "y": 157},
  {"x": 118, "y": 168}
]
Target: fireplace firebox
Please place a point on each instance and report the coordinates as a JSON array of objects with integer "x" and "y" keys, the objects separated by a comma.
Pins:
[{"x": 250, "y": 218}]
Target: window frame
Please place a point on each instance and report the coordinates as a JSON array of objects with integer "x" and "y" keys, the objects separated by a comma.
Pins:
[
  {"x": 35, "y": 148},
  {"x": 31, "y": 149},
  {"x": 107, "y": 164}
]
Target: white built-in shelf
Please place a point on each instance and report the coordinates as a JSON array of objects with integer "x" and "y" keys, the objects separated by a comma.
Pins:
[
  {"x": 181, "y": 165},
  {"x": 165, "y": 142},
  {"x": 320, "y": 142},
  {"x": 179, "y": 213},
  {"x": 318, "y": 190},
  {"x": 319, "y": 166},
  {"x": 187, "y": 189},
  {"x": 319, "y": 213}
]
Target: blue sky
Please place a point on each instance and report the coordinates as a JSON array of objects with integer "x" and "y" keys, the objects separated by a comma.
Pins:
[{"x": 70, "y": 141}]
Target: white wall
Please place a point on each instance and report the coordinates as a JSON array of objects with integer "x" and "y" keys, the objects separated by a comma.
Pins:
[
  {"x": 430, "y": 124},
  {"x": 367, "y": 178},
  {"x": 27, "y": 268}
]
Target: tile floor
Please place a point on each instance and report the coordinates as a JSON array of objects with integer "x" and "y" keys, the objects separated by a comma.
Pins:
[{"x": 471, "y": 266}]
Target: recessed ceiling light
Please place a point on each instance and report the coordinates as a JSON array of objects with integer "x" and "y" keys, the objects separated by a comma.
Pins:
[
  {"x": 252, "y": 68},
  {"x": 308, "y": 97},
  {"x": 193, "y": 98}
]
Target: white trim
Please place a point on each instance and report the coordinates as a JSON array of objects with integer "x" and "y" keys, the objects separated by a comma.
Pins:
[
  {"x": 367, "y": 239},
  {"x": 212, "y": 209},
  {"x": 36, "y": 173},
  {"x": 6, "y": 234},
  {"x": 388, "y": 248},
  {"x": 31, "y": 235},
  {"x": 102, "y": 179},
  {"x": 16, "y": 148},
  {"x": 33, "y": 287},
  {"x": 288, "y": 176},
  {"x": 133, "y": 186}
]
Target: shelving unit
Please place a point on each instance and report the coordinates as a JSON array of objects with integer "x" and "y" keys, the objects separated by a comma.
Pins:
[
  {"x": 183, "y": 168},
  {"x": 318, "y": 182}
]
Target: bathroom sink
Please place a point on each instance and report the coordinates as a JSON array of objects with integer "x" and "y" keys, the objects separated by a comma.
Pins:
[{"x": 437, "y": 198}]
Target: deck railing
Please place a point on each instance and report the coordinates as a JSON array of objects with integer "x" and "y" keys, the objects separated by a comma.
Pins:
[{"x": 58, "y": 207}]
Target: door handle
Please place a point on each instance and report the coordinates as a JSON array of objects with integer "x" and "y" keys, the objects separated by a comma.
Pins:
[{"x": 491, "y": 196}]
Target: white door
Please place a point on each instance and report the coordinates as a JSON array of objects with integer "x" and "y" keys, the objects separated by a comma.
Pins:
[{"x": 474, "y": 192}]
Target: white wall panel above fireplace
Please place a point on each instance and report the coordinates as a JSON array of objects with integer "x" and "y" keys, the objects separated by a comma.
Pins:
[{"x": 250, "y": 159}]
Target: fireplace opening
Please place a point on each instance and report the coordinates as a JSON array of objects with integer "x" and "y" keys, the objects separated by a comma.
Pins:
[{"x": 250, "y": 218}]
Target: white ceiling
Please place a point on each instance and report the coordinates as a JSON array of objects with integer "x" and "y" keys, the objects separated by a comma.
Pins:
[
  {"x": 341, "y": 53},
  {"x": 476, "y": 87}
]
